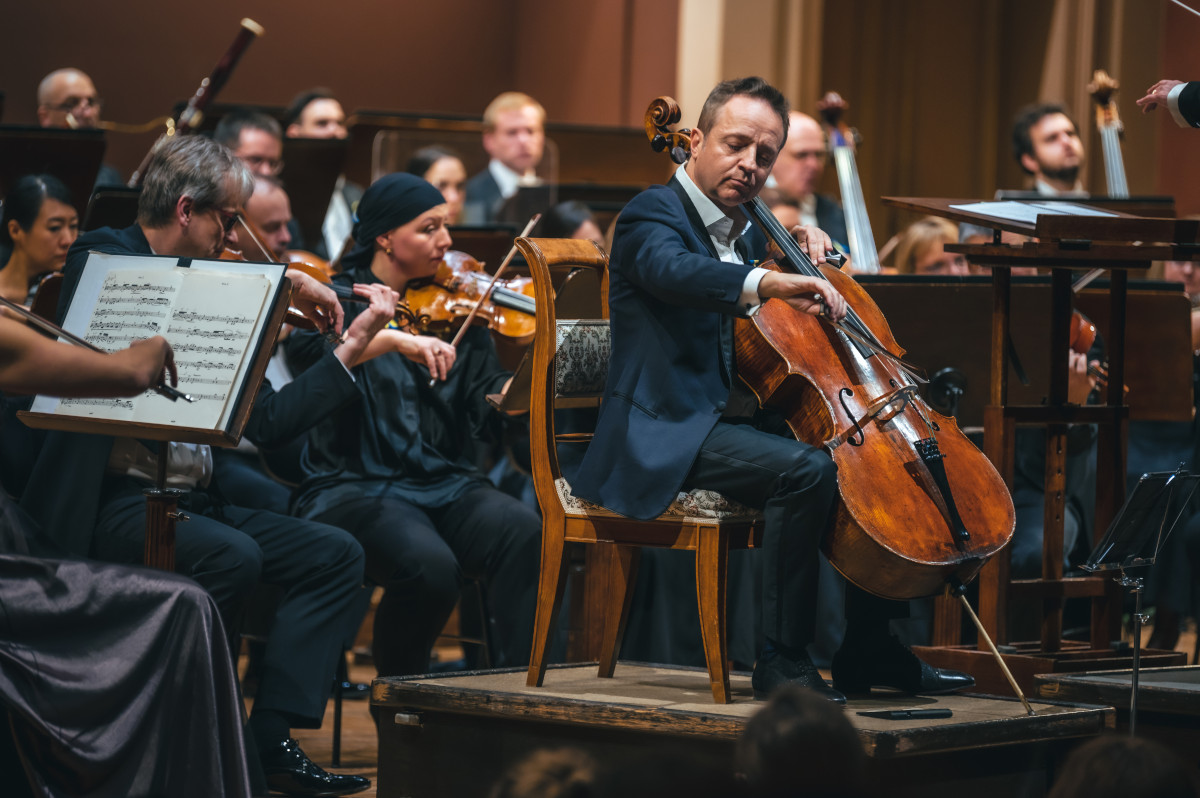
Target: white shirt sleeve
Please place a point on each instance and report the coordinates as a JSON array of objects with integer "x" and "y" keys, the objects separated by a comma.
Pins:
[
  {"x": 1173, "y": 104},
  {"x": 750, "y": 298}
]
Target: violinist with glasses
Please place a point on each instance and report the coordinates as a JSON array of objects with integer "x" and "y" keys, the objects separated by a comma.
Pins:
[
  {"x": 399, "y": 466},
  {"x": 86, "y": 491}
]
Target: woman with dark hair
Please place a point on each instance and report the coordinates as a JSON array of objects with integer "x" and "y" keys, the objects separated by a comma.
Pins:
[
  {"x": 397, "y": 468},
  {"x": 442, "y": 167},
  {"x": 40, "y": 224},
  {"x": 571, "y": 219}
]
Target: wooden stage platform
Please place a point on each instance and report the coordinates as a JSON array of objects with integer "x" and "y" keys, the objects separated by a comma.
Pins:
[
  {"x": 1168, "y": 702},
  {"x": 453, "y": 735}
]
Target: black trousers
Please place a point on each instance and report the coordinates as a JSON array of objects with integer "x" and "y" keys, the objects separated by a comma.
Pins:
[
  {"x": 228, "y": 550},
  {"x": 795, "y": 486},
  {"x": 420, "y": 556}
]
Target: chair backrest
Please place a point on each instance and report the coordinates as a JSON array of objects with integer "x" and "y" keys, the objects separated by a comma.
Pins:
[{"x": 570, "y": 355}]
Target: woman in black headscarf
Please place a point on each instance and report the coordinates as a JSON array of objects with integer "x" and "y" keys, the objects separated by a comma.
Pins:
[{"x": 398, "y": 468}]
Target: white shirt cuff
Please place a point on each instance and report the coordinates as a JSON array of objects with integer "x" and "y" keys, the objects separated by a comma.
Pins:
[
  {"x": 750, "y": 299},
  {"x": 1173, "y": 104}
]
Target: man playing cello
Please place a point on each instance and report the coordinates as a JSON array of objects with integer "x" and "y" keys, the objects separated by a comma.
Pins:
[{"x": 675, "y": 416}]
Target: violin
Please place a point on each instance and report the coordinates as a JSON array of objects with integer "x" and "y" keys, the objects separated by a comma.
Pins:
[
  {"x": 896, "y": 529},
  {"x": 1102, "y": 88},
  {"x": 455, "y": 290}
]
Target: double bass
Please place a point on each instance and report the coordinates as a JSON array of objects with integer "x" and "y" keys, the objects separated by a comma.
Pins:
[
  {"x": 919, "y": 505},
  {"x": 1108, "y": 122},
  {"x": 842, "y": 143}
]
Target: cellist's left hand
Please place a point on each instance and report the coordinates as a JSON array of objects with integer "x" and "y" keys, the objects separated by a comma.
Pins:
[
  {"x": 316, "y": 301},
  {"x": 814, "y": 241}
]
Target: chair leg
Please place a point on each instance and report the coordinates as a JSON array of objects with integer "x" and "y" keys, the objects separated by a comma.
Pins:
[
  {"x": 623, "y": 575},
  {"x": 712, "y": 559},
  {"x": 551, "y": 580},
  {"x": 343, "y": 675}
]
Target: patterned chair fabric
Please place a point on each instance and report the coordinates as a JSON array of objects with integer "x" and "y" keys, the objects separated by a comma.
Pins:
[{"x": 581, "y": 357}]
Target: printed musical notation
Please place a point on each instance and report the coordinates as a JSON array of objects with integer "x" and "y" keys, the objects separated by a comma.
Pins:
[{"x": 208, "y": 318}]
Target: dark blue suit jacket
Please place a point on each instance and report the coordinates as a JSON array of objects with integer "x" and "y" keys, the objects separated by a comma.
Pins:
[
  {"x": 64, "y": 493},
  {"x": 483, "y": 200},
  {"x": 1189, "y": 103},
  {"x": 671, "y": 302}
]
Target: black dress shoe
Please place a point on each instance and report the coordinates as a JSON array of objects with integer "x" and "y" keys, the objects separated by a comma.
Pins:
[
  {"x": 354, "y": 691},
  {"x": 886, "y": 662},
  {"x": 290, "y": 771},
  {"x": 775, "y": 670}
]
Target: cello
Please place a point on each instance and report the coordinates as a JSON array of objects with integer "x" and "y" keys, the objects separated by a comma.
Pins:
[
  {"x": 842, "y": 141},
  {"x": 919, "y": 505}
]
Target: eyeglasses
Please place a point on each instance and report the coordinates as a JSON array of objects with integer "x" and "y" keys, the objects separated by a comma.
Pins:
[
  {"x": 274, "y": 165},
  {"x": 228, "y": 219},
  {"x": 76, "y": 103}
]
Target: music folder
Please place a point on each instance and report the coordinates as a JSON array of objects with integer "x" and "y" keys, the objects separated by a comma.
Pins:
[{"x": 221, "y": 319}]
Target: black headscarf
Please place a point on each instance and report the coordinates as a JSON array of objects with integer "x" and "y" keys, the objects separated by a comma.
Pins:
[{"x": 391, "y": 201}]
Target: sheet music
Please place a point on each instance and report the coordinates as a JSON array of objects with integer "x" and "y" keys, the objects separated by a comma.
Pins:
[
  {"x": 207, "y": 317},
  {"x": 1028, "y": 212}
]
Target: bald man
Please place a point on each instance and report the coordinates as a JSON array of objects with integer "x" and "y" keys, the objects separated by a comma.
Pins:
[
  {"x": 67, "y": 98},
  {"x": 798, "y": 172}
]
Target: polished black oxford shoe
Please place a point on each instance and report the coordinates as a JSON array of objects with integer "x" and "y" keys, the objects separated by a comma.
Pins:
[
  {"x": 886, "y": 662},
  {"x": 774, "y": 670},
  {"x": 289, "y": 770}
]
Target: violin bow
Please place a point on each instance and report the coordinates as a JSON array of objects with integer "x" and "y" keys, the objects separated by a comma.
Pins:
[
  {"x": 52, "y": 328},
  {"x": 487, "y": 291}
]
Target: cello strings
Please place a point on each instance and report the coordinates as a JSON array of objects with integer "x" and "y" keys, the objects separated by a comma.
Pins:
[{"x": 1186, "y": 7}]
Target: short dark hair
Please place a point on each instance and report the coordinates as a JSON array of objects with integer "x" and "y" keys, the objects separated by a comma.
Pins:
[
  {"x": 24, "y": 202},
  {"x": 754, "y": 87},
  {"x": 229, "y": 129},
  {"x": 302, "y": 100},
  {"x": 564, "y": 219},
  {"x": 423, "y": 159},
  {"x": 1029, "y": 116}
]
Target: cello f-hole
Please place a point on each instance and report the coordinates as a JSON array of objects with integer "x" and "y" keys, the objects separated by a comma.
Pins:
[{"x": 858, "y": 430}]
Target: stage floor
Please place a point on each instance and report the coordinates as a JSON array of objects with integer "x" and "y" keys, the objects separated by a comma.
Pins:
[{"x": 491, "y": 719}]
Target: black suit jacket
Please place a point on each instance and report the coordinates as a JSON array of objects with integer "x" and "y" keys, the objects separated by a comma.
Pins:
[
  {"x": 483, "y": 199},
  {"x": 1189, "y": 103},
  {"x": 672, "y": 303},
  {"x": 832, "y": 220},
  {"x": 64, "y": 493}
]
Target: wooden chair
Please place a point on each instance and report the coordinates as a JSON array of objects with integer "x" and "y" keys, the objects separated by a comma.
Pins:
[{"x": 570, "y": 365}]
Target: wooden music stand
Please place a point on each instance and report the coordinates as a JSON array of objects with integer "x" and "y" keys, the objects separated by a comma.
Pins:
[
  {"x": 1065, "y": 244},
  {"x": 221, "y": 349}
]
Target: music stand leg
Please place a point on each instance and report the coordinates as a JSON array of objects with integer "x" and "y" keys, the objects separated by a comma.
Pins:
[
  {"x": 1134, "y": 585},
  {"x": 162, "y": 513}
]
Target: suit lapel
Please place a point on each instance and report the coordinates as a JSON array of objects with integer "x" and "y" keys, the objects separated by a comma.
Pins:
[{"x": 693, "y": 217}]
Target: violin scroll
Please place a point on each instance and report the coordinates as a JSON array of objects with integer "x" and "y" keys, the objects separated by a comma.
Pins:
[{"x": 662, "y": 113}]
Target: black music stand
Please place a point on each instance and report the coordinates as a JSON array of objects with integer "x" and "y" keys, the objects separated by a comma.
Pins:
[
  {"x": 111, "y": 206},
  {"x": 73, "y": 156},
  {"x": 1134, "y": 539},
  {"x": 310, "y": 173}
]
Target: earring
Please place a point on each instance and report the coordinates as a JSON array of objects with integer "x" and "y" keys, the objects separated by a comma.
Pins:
[{"x": 388, "y": 250}]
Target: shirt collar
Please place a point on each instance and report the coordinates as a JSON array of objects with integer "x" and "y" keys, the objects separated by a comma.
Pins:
[
  {"x": 718, "y": 225},
  {"x": 1047, "y": 190},
  {"x": 507, "y": 180}
]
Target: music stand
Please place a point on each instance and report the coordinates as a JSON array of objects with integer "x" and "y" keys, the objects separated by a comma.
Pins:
[{"x": 1134, "y": 539}]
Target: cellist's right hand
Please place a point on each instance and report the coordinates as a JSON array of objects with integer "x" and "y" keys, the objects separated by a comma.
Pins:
[{"x": 806, "y": 294}]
